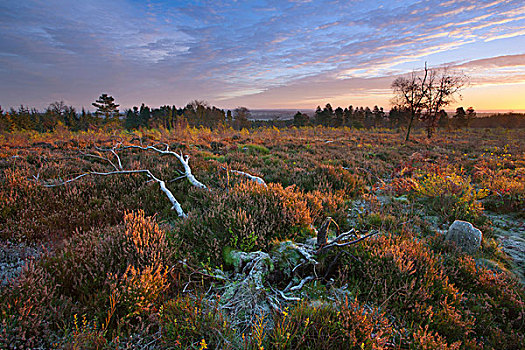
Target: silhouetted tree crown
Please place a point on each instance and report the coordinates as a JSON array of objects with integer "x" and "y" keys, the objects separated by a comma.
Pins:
[
  {"x": 240, "y": 117},
  {"x": 106, "y": 106},
  {"x": 301, "y": 119},
  {"x": 424, "y": 94}
]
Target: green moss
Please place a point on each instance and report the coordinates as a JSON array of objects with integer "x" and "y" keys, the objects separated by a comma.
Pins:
[
  {"x": 210, "y": 156},
  {"x": 254, "y": 149}
]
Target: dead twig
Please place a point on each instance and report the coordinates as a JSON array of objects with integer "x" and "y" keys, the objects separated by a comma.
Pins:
[{"x": 335, "y": 242}]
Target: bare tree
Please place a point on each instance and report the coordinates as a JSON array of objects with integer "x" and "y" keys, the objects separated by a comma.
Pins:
[
  {"x": 409, "y": 94},
  {"x": 424, "y": 94},
  {"x": 441, "y": 88}
]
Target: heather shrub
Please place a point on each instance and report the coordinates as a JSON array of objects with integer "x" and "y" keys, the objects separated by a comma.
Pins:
[
  {"x": 451, "y": 196},
  {"x": 381, "y": 221},
  {"x": 83, "y": 334},
  {"x": 254, "y": 149},
  {"x": 447, "y": 295},
  {"x": 139, "y": 290},
  {"x": 31, "y": 212},
  {"x": 85, "y": 260},
  {"x": 507, "y": 189},
  {"x": 278, "y": 168},
  {"x": 36, "y": 213},
  {"x": 248, "y": 217},
  {"x": 116, "y": 276},
  {"x": 322, "y": 204},
  {"x": 111, "y": 285},
  {"x": 320, "y": 325},
  {"x": 329, "y": 178},
  {"x": 188, "y": 323},
  {"x": 428, "y": 340},
  {"x": 400, "y": 274},
  {"x": 32, "y": 309},
  {"x": 495, "y": 300},
  {"x": 402, "y": 186}
]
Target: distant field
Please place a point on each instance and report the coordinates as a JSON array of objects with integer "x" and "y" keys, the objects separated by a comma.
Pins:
[{"x": 281, "y": 114}]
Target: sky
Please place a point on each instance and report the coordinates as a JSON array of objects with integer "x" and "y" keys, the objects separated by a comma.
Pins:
[{"x": 293, "y": 54}]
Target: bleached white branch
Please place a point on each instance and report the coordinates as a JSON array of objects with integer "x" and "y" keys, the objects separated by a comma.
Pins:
[
  {"x": 254, "y": 178},
  {"x": 301, "y": 284},
  {"x": 113, "y": 151},
  {"x": 343, "y": 235},
  {"x": 177, "y": 178},
  {"x": 251, "y": 177},
  {"x": 175, "y": 204},
  {"x": 117, "y": 156},
  {"x": 287, "y": 298},
  {"x": 182, "y": 158}
]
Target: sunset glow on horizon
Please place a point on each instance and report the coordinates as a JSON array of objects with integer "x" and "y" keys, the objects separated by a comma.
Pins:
[{"x": 258, "y": 54}]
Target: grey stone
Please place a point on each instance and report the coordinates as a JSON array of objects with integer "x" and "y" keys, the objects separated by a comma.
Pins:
[{"x": 465, "y": 235}]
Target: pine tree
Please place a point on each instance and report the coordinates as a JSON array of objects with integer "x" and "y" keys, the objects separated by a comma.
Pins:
[
  {"x": 471, "y": 114},
  {"x": 301, "y": 119},
  {"x": 348, "y": 115},
  {"x": 318, "y": 115},
  {"x": 132, "y": 118},
  {"x": 339, "y": 117},
  {"x": 144, "y": 116},
  {"x": 229, "y": 118},
  {"x": 106, "y": 106},
  {"x": 6, "y": 122}
]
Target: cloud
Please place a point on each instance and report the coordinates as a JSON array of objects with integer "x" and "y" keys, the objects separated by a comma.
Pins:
[
  {"x": 495, "y": 71},
  {"x": 498, "y": 61},
  {"x": 258, "y": 53}
]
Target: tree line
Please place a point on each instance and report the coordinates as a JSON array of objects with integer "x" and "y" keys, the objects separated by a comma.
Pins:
[
  {"x": 413, "y": 106},
  {"x": 364, "y": 117},
  {"x": 58, "y": 114}
]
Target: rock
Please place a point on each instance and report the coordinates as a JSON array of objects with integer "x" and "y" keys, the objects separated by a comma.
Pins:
[{"x": 465, "y": 235}]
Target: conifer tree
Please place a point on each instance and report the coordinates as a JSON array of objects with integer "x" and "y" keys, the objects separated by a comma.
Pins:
[{"x": 106, "y": 106}]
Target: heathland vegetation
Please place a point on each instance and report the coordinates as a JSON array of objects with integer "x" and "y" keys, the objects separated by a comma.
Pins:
[{"x": 285, "y": 238}]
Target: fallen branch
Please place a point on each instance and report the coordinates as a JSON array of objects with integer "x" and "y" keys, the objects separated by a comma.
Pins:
[
  {"x": 323, "y": 231},
  {"x": 334, "y": 262},
  {"x": 184, "y": 159},
  {"x": 282, "y": 295},
  {"x": 119, "y": 169},
  {"x": 102, "y": 158},
  {"x": 301, "y": 284},
  {"x": 335, "y": 242},
  {"x": 251, "y": 177},
  {"x": 344, "y": 235},
  {"x": 175, "y": 204}
]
